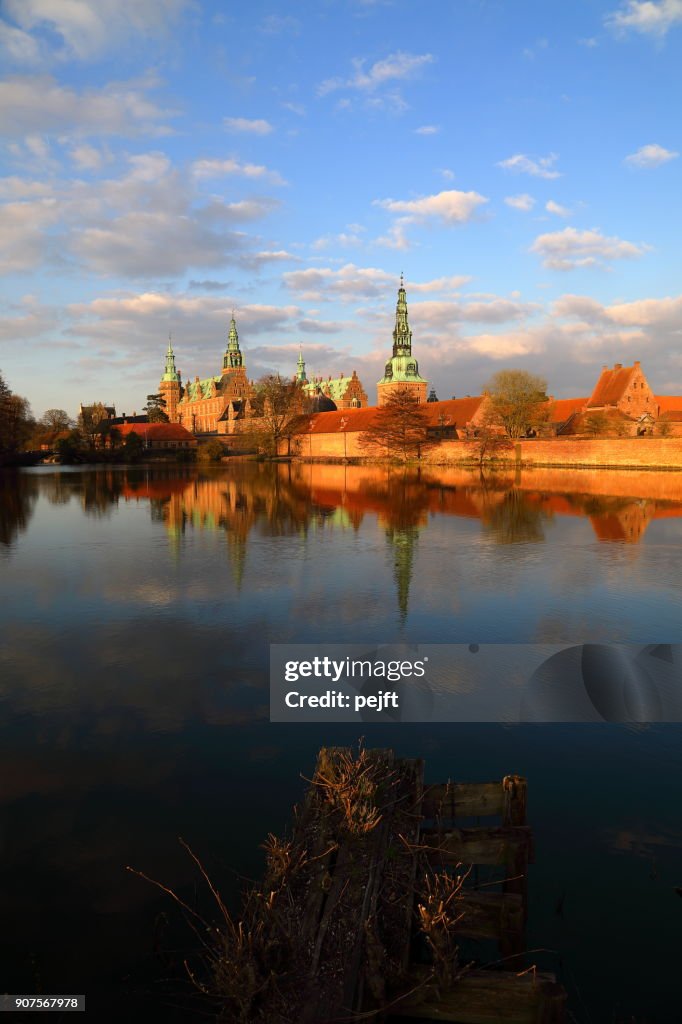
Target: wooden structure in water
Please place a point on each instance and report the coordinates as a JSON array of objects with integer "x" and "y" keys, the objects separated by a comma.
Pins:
[{"x": 387, "y": 879}]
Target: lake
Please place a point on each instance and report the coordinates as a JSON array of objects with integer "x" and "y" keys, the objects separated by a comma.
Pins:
[{"x": 137, "y": 609}]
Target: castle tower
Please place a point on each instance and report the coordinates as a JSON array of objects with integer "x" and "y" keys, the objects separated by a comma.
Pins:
[
  {"x": 401, "y": 372},
  {"x": 170, "y": 385},
  {"x": 300, "y": 369},
  {"x": 233, "y": 357}
]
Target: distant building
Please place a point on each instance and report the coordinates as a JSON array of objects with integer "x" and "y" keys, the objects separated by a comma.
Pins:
[
  {"x": 343, "y": 392},
  {"x": 401, "y": 372},
  {"x": 210, "y": 405},
  {"x": 157, "y": 436}
]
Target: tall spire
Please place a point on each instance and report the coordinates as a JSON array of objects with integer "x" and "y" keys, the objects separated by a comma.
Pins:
[
  {"x": 300, "y": 371},
  {"x": 402, "y": 335},
  {"x": 233, "y": 356},
  {"x": 170, "y": 372}
]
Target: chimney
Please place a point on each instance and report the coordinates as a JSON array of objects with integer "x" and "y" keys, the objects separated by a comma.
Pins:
[
  {"x": 618, "y": 366},
  {"x": 636, "y": 362},
  {"x": 604, "y": 367}
]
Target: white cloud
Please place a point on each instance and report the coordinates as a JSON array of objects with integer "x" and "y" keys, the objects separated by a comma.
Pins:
[
  {"x": 215, "y": 168},
  {"x": 449, "y": 207},
  {"x": 647, "y": 313},
  {"x": 439, "y": 284},
  {"x": 88, "y": 158},
  {"x": 396, "y": 66},
  {"x": 652, "y": 155},
  {"x": 15, "y": 187},
  {"x": 148, "y": 223},
  {"x": 571, "y": 248},
  {"x": 19, "y": 46},
  {"x": 22, "y": 226},
  {"x": 507, "y": 344},
  {"x": 30, "y": 104},
  {"x": 650, "y": 17},
  {"x": 247, "y": 126},
  {"x": 347, "y": 283},
  {"x": 447, "y": 173},
  {"x": 88, "y": 28},
  {"x": 523, "y": 202},
  {"x": 543, "y": 167},
  {"x": 427, "y": 129},
  {"x": 556, "y": 209}
]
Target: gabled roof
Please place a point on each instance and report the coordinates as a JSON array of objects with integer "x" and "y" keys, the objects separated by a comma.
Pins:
[{"x": 611, "y": 386}]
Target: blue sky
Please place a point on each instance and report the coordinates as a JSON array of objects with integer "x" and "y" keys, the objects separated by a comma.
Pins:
[{"x": 166, "y": 161}]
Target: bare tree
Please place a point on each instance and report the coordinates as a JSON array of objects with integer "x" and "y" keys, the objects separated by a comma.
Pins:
[
  {"x": 276, "y": 405},
  {"x": 400, "y": 428},
  {"x": 518, "y": 401}
]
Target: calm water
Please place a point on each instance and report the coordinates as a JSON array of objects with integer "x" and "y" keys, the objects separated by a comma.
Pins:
[{"x": 137, "y": 606}]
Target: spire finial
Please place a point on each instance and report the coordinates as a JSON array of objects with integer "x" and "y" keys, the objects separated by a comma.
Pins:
[{"x": 402, "y": 282}]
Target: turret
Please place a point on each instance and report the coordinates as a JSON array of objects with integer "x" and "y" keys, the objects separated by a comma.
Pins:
[
  {"x": 170, "y": 385},
  {"x": 233, "y": 357}
]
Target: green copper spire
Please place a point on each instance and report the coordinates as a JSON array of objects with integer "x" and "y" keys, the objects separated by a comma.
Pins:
[
  {"x": 233, "y": 356},
  {"x": 300, "y": 372},
  {"x": 170, "y": 373},
  {"x": 402, "y": 335},
  {"x": 402, "y": 367}
]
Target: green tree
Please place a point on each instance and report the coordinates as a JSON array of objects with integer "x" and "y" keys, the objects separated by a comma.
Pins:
[
  {"x": 400, "y": 428},
  {"x": 518, "y": 401},
  {"x": 156, "y": 409},
  {"x": 133, "y": 446},
  {"x": 663, "y": 428},
  {"x": 212, "y": 451},
  {"x": 68, "y": 448}
]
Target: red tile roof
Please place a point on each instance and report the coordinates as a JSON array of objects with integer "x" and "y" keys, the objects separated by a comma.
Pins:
[
  {"x": 155, "y": 432},
  {"x": 563, "y": 408},
  {"x": 456, "y": 412},
  {"x": 611, "y": 386},
  {"x": 670, "y": 407}
]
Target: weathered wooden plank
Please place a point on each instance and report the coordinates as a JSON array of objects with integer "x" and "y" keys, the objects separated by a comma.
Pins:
[
  {"x": 494, "y": 845},
  {"x": 515, "y": 795},
  {"x": 487, "y": 915},
  {"x": 463, "y": 800},
  {"x": 488, "y": 997}
]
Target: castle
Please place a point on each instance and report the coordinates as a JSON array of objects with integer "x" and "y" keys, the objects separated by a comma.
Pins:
[
  {"x": 621, "y": 403},
  {"x": 212, "y": 405}
]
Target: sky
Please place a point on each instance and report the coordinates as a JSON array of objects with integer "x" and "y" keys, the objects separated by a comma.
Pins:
[{"x": 165, "y": 162}]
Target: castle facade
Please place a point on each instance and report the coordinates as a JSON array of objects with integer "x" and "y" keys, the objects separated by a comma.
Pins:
[{"x": 215, "y": 404}]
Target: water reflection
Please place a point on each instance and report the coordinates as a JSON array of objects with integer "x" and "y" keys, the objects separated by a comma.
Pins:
[
  {"x": 139, "y": 605},
  {"x": 18, "y": 494}
]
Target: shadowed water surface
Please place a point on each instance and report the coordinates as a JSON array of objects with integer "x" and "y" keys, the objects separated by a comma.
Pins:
[{"x": 137, "y": 609}]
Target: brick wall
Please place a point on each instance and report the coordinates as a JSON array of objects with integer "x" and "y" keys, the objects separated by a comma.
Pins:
[{"x": 636, "y": 452}]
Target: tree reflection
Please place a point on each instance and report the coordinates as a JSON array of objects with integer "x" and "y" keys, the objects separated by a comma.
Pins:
[
  {"x": 516, "y": 519},
  {"x": 18, "y": 493}
]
